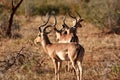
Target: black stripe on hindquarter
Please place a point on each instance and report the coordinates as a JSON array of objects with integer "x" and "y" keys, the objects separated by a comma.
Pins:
[{"x": 80, "y": 52}]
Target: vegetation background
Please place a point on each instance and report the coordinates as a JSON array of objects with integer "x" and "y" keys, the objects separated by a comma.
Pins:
[{"x": 99, "y": 35}]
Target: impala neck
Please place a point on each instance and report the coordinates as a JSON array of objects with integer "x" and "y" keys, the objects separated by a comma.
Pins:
[
  {"x": 73, "y": 30},
  {"x": 45, "y": 42}
]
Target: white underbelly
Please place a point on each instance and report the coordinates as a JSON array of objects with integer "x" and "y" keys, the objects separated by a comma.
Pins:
[
  {"x": 62, "y": 55},
  {"x": 63, "y": 41}
]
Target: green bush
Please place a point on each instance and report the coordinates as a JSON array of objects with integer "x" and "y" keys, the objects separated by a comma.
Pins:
[
  {"x": 105, "y": 14},
  {"x": 48, "y": 8}
]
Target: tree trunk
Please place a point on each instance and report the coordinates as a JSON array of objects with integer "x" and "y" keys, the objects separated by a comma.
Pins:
[{"x": 14, "y": 9}]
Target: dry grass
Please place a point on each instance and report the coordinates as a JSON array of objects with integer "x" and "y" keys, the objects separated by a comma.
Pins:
[{"x": 101, "y": 60}]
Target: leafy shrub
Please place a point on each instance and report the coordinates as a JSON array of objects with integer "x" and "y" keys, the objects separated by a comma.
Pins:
[
  {"x": 105, "y": 14},
  {"x": 48, "y": 8}
]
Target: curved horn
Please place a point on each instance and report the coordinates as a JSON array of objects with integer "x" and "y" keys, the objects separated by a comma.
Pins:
[
  {"x": 80, "y": 20},
  {"x": 47, "y": 14},
  {"x": 64, "y": 24},
  {"x": 78, "y": 14},
  {"x": 69, "y": 13},
  {"x": 42, "y": 19},
  {"x": 55, "y": 21},
  {"x": 44, "y": 30},
  {"x": 59, "y": 31},
  {"x": 40, "y": 29},
  {"x": 46, "y": 21}
]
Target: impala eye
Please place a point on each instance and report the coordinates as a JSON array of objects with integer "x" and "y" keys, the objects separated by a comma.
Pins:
[{"x": 39, "y": 35}]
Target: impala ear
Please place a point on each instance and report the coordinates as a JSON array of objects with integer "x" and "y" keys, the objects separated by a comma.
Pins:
[
  {"x": 81, "y": 20},
  {"x": 63, "y": 26}
]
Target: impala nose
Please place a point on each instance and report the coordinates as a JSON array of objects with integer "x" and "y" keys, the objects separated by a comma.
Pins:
[{"x": 36, "y": 41}]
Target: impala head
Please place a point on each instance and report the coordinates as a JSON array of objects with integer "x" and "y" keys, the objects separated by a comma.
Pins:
[
  {"x": 42, "y": 32},
  {"x": 38, "y": 38},
  {"x": 76, "y": 23},
  {"x": 57, "y": 32},
  {"x": 42, "y": 35}
]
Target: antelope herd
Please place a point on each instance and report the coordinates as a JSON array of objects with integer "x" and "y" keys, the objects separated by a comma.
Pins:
[{"x": 67, "y": 47}]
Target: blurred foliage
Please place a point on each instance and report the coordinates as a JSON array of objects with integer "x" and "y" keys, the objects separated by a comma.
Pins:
[
  {"x": 4, "y": 22},
  {"x": 105, "y": 14},
  {"x": 56, "y": 9},
  {"x": 5, "y": 11}
]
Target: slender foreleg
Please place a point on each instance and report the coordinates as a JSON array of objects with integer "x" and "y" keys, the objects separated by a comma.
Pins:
[
  {"x": 56, "y": 68},
  {"x": 59, "y": 66}
]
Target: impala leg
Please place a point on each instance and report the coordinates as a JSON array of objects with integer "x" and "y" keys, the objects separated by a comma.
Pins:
[
  {"x": 68, "y": 68},
  {"x": 59, "y": 66},
  {"x": 56, "y": 68},
  {"x": 76, "y": 69},
  {"x": 80, "y": 69}
]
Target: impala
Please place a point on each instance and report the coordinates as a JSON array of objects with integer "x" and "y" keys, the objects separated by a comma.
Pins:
[
  {"x": 59, "y": 52},
  {"x": 61, "y": 35},
  {"x": 68, "y": 34},
  {"x": 73, "y": 29}
]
